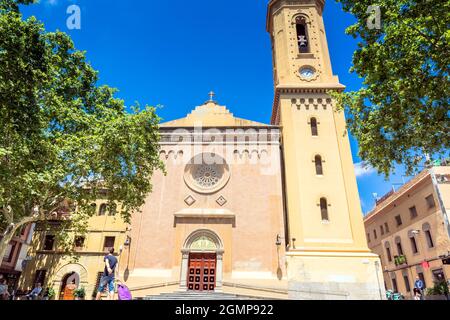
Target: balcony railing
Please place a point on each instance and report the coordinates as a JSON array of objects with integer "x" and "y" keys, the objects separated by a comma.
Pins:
[{"x": 400, "y": 260}]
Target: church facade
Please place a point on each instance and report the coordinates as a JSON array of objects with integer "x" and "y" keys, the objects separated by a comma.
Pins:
[
  {"x": 216, "y": 219},
  {"x": 267, "y": 210}
]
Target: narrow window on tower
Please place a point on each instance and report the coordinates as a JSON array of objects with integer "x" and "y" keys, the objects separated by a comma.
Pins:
[
  {"x": 314, "y": 129},
  {"x": 319, "y": 166},
  {"x": 302, "y": 35},
  {"x": 324, "y": 209}
]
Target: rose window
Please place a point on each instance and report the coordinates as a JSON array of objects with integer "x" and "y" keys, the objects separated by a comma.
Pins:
[
  {"x": 204, "y": 177},
  {"x": 207, "y": 176}
]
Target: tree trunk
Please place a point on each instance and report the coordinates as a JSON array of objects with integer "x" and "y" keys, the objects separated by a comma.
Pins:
[
  {"x": 9, "y": 235},
  {"x": 5, "y": 242}
]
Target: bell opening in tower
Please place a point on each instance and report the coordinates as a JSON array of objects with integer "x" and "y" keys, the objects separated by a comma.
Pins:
[{"x": 302, "y": 35}]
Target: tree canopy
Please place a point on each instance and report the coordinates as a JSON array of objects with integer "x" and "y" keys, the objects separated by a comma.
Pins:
[
  {"x": 63, "y": 137},
  {"x": 402, "y": 111}
]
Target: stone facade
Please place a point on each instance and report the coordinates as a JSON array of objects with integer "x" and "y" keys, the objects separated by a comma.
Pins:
[{"x": 222, "y": 183}]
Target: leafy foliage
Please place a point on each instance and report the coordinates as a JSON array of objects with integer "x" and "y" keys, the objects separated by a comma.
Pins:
[
  {"x": 402, "y": 111},
  {"x": 80, "y": 293},
  {"x": 51, "y": 293},
  {"x": 13, "y": 5},
  {"x": 65, "y": 141},
  {"x": 439, "y": 289}
]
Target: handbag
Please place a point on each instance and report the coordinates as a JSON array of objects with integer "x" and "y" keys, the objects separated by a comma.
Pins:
[{"x": 123, "y": 292}]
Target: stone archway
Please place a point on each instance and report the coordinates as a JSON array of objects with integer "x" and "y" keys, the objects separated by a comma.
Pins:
[
  {"x": 71, "y": 280},
  {"x": 202, "y": 241},
  {"x": 69, "y": 269}
]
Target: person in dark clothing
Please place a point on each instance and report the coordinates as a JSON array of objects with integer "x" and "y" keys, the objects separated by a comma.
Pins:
[
  {"x": 4, "y": 294},
  {"x": 108, "y": 276}
]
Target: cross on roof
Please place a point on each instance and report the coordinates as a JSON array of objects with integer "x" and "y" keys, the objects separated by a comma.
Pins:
[{"x": 211, "y": 96}]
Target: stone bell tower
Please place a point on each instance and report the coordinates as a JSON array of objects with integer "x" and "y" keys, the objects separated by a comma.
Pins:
[{"x": 328, "y": 256}]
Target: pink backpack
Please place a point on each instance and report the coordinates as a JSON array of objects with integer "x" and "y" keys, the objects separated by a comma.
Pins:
[{"x": 123, "y": 292}]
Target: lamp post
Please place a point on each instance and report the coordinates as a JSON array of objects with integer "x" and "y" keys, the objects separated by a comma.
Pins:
[
  {"x": 127, "y": 241},
  {"x": 278, "y": 243},
  {"x": 127, "y": 245}
]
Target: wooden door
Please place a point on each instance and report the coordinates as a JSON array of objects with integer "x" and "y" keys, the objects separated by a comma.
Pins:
[
  {"x": 69, "y": 291},
  {"x": 68, "y": 286},
  {"x": 202, "y": 272}
]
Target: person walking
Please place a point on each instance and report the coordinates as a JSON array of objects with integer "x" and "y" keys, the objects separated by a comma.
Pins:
[
  {"x": 419, "y": 285},
  {"x": 108, "y": 277}
]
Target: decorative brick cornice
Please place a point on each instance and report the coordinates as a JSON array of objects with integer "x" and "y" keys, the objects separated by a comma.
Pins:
[
  {"x": 320, "y": 88},
  {"x": 276, "y": 4}
]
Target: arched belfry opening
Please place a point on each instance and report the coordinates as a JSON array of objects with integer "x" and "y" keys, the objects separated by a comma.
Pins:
[
  {"x": 202, "y": 262},
  {"x": 301, "y": 27}
]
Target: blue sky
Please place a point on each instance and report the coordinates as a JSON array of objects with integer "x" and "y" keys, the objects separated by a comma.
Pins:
[{"x": 172, "y": 53}]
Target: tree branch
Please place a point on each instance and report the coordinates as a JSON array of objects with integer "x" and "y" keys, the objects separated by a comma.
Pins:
[
  {"x": 430, "y": 39},
  {"x": 8, "y": 214},
  {"x": 27, "y": 220}
]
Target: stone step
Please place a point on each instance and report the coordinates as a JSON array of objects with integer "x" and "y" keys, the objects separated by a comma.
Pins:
[{"x": 198, "y": 296}]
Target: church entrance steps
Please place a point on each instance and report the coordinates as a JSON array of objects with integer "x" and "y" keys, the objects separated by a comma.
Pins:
[
  {"x": 155, "y": 286},
  {"x": 266, "y": 292},
  {"x": 189, "y": 295}
]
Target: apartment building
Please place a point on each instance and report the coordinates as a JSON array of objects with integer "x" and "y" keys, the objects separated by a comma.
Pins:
[
  {"x": 53, "y": 268},
  {"x": 16, "y": 257},
  {"x": 409, "y": 230}
]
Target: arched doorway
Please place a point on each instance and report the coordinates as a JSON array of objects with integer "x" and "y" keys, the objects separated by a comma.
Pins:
[
  {"x": 202, "y": 262},
  {"x": 66, "y": 274},
  {"x": 69, "y": 284}
]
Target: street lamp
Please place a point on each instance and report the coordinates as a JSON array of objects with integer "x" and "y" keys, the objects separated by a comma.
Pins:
[
  {"x": 127, "y": 241},
  {"x": 278, "y": 243}
]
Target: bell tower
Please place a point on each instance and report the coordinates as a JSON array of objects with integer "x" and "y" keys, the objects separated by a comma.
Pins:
[
  {"x": 299, "y": 43},
  {"x": 328, "y": 256}
]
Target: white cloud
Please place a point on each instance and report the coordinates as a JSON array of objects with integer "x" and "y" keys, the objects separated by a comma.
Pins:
[
  {"x": 363, "y": 169},
  {"x": 51, "y": 2}
]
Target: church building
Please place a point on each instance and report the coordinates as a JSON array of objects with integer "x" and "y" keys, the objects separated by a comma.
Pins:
[{"x": 262, "y": 210}]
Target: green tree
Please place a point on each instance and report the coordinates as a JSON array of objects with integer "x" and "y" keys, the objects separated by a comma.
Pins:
[
  {"x": 402, "y": 111},
  {"x": 63, "y": 138}
]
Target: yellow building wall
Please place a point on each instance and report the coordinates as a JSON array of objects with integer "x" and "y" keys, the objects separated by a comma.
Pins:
[
  {"x": 87, "y": 262},
  {"x": 345, "y": 230},
  {"x": 328, "y": 259}
]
